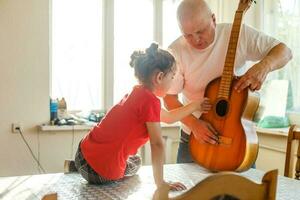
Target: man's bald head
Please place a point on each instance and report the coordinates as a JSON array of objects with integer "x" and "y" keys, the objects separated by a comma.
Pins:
[
  {"x": 196, "y": 22},
  {"x": 188, "y": 9}
]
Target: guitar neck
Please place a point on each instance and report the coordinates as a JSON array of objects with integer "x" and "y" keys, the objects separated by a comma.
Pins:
[{"x": 228, "y": 71}]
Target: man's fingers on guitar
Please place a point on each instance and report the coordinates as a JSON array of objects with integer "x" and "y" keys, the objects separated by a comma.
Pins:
[
  {"x": 212, "y": 141},
  {"x": 213, "y": 130},
  {"x": 255, "y": 86},
  {"x": 243, "y": 86},
  {"x": 214, "y": 138},
  {"x": 201, "y": 141},
  {"x": 209, "y": 139},
  {"x": 238, "y": 84},
  {"x": 202, "y": 138},
  {"x": 242, "y": 83}
]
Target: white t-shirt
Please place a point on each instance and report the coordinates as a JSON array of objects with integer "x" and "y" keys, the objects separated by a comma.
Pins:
[{"x": 196, "y": 68}]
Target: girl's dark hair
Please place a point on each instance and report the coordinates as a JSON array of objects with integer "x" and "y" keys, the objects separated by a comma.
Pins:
[{"x": 145, "y": 63}]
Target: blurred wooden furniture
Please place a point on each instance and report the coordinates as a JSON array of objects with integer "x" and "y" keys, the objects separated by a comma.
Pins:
[
  {"x": 292, "y": 136},
  {"x": 227, "y": 183},
  {"x": 52, "y": 196}
]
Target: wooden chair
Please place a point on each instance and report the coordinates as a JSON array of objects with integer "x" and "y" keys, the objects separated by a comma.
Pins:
[
  {"x": 292, "y": 136},
  {"x": 228, "y": 183},
  {"x": 52, "y": 196}
]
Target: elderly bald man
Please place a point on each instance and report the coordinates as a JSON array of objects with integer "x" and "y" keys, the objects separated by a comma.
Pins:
[{"x": 200, "y": 53}]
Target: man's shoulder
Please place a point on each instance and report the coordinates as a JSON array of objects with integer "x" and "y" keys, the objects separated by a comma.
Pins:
[{"x": 178, "y": 43}]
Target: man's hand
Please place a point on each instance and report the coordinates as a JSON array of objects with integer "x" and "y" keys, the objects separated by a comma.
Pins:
[
  {"x": 277, "y": 57},
  {"x": 253, "y": 78},
  {"x": 204, "y": 132}
]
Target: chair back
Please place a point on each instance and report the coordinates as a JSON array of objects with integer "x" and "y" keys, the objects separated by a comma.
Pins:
[
  {"x": 226, "y": 183},
  {"x": 293, "y": 135}
]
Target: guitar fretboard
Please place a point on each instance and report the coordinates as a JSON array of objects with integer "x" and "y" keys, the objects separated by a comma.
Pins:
[{"x": 227, "y": 76}]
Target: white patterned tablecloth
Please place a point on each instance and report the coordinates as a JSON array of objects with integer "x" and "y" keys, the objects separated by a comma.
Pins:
[{"x": 140, "y": 186}]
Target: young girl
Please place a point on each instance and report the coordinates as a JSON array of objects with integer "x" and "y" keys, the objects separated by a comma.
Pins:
[{"x": 107, "y": 152}]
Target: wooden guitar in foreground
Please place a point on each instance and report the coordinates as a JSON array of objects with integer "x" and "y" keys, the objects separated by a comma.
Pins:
[{"x": 238, "y": 147}]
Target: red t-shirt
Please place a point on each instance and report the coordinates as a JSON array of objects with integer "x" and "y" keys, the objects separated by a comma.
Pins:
[{"x": 120, "y": 133}]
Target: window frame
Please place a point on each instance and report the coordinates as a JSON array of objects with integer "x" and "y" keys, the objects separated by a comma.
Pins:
[
  {"x": 107, "y": 93},
  {"x": 108, "y": 45}
]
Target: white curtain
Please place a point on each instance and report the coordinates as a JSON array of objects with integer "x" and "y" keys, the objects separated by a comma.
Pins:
[{"x": 282, "y": 20}]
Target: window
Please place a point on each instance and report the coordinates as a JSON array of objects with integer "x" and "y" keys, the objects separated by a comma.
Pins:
[
  {"x": 76, "y": 53},
  {"x": 282, "y": 20},
  {"x": 170, "y": 26},
  {"x": 133, "y": 29},
  {"x": 77, "y": 42},
  {"x": 78, "y": 39}
]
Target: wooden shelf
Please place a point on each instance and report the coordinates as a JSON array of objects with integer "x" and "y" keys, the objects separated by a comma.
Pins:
[
  {"x": 49, "y": 128},
  {"x": 85, "y": 127}
]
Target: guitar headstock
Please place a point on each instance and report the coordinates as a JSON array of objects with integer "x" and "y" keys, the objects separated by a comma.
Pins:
[{"x": 244, "y": 5}]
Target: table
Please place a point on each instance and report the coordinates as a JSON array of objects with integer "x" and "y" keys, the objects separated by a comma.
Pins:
[{"x": 140, "y": 186}]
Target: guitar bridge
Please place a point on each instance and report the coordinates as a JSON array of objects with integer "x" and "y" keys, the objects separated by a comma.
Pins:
[{"x": 225, "y": 140}]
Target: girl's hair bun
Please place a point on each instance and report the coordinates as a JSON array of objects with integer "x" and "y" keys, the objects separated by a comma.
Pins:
[
  {"x": 134, "y": 56},
  {"x": 151, "y": 60},
  {"x": 152, "y": 50}
]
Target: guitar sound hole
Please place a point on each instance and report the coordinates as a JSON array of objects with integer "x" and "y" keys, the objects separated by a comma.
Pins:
[{"x": 222, "y": 108}]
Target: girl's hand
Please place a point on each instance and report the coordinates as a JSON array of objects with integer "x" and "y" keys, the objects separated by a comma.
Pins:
[
  {"x": 176, "y": 186},
  {"x": 165, "y": 187},
  {"x": 203, "y": 106}
]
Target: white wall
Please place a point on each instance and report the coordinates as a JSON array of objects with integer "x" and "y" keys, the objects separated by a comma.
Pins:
[{"x": 24, "y": 88}]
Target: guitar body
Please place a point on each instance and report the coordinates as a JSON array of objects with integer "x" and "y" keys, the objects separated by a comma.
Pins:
[{"x": 238, "y": 146}]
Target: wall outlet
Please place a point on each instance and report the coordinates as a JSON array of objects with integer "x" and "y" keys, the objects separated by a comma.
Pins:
[{"x": 16, "y": 127}]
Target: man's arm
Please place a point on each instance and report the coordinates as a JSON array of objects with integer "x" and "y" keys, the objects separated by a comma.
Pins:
[
  {"x": 277, "y": 57},
  {"x": 202, "y": 130}
]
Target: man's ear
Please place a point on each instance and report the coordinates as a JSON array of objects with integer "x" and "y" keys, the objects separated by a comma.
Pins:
[{"x": 214, "y": 19}]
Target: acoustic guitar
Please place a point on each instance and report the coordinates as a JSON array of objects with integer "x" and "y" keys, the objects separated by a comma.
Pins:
[{"x": 238, "y": 144}]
